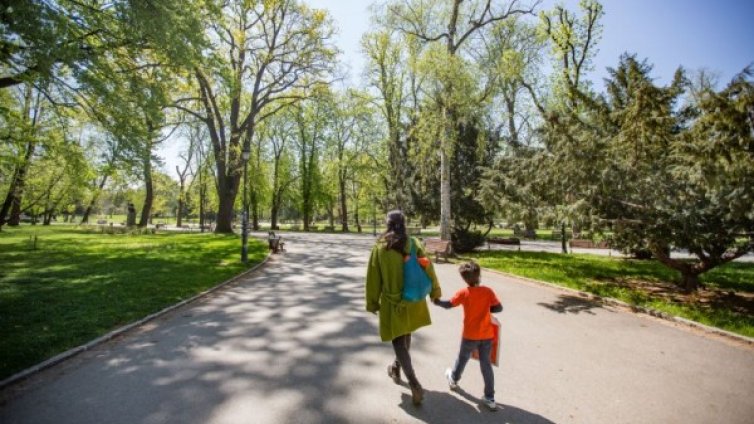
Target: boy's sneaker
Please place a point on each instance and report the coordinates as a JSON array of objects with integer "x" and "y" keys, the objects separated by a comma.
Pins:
[
  {"x": 394, "y": 372},
  {"x": 451, "y": 382},
  {"x": 490, "y": 404}
]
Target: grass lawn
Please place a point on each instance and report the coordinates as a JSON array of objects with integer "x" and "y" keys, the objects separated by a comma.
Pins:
[
  {"x": 727, "y": 302},
  {"x": 77, "y": 285}
]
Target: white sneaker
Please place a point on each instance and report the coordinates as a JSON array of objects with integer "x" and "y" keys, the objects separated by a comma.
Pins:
[
  {"x": 451, "y": 382},
  {"x": 490, "y": 404}
]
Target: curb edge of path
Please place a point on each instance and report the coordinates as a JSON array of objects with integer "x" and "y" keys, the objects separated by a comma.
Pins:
[
  {"x": 28, "y": 372},
  {"x": 635, "y": 308}
]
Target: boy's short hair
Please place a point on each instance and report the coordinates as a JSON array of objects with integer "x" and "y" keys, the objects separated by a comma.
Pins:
[{"x": 470, "y": 272}]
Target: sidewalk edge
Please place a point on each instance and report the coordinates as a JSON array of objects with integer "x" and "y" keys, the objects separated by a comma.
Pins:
[
  {"x": 634, "y": 308},
  {"x": 28, "y": 372}
]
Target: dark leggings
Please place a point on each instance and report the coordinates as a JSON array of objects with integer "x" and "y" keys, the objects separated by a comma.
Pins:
[{"x": 401, "y": 345}]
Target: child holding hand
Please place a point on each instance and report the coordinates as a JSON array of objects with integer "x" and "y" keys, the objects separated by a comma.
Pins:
[{"x": 478, "y": 302}]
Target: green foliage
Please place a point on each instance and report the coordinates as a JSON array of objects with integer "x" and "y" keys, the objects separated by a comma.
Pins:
[
  {"x": 660, "y": 174},
  {"x": 466, "y": 240}
]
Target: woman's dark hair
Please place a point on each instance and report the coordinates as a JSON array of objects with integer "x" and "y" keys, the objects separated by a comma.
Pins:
[{"x": 395, "y": 235}]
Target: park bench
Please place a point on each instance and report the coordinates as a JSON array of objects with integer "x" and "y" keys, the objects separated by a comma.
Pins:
[
  {"x": 158, "y": 226},
  {"x": 437, "y": 247},
  {"x": 589, "y": 244},
  {"x": 101, "y": 222},
  {"x": 512, "y": 241},
  {"x": 413, "y": 231},
  {"x": 275, "y": 242}
]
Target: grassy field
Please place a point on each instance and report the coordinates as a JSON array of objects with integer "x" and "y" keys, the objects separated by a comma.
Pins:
[
  {"x": 76, "y": 285},
  {"x": 727, "y": 302}
]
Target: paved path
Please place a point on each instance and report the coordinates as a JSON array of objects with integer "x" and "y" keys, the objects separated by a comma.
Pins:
[{"x": 292, "y": 344}]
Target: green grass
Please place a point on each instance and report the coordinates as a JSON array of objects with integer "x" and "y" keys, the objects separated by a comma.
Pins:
[
  {"x": 77, "y": 285},
  {"x": 604, "y": 276}
]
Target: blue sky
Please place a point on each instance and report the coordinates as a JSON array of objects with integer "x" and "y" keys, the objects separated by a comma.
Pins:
[{"x": 716, "y": 35}]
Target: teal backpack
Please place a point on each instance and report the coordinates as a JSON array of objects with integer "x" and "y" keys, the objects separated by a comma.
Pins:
[{"x": 416, "y": 282}]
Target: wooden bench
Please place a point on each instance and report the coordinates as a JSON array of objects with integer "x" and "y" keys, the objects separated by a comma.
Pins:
[
  {"x": 101, "y": 222},
  {"x": 437, "y": 247},
  {"x": 589, "y": 244},
  {"x": 158, "y": 226}
]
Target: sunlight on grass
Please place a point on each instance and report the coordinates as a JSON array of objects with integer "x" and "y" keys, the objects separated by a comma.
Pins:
[
  {"x": 603, "y": 276},
  {"x": 80, "y": 284}
]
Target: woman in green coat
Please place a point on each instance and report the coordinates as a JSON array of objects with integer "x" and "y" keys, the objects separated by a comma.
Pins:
[{"x": 384, "y": 287}]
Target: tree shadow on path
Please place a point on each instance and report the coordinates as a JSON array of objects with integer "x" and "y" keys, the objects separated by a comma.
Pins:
[{"x": 567, "y": 304}]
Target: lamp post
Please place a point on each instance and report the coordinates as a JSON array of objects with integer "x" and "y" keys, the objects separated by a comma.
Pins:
[{"x": 245, "y": 215}]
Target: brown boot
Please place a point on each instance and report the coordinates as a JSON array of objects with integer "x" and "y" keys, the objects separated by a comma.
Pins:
[
  {"x": 417, "y": 394},
  {"x": 394, "y": 372}
]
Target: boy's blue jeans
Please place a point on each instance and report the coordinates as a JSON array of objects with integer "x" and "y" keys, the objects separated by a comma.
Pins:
[{"x": 484, "y": 347}]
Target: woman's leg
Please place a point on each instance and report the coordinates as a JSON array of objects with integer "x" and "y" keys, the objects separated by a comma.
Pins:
[
  {"x": 464, "y": 354},
  {"x": 401, "y": 346}
]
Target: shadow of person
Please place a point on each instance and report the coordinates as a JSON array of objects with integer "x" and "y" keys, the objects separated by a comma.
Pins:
[{"x": 459, "y": 406}]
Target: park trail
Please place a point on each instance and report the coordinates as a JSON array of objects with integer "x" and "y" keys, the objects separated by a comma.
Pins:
[{"x": 291, "y": 343}]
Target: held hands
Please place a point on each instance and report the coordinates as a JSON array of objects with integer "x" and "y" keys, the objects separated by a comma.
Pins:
[{"x": 442, "y": 303}]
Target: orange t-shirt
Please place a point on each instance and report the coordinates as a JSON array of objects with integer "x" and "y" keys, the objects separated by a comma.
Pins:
[{"x": 477, "y": 321}]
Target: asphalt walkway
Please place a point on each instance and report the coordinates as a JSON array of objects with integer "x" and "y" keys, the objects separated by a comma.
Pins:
[{"x": 291, "y": 343}]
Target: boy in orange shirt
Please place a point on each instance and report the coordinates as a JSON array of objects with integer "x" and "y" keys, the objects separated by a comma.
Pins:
[{"x": 478, "y": 302}]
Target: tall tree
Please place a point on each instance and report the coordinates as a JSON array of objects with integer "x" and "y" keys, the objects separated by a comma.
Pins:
[
  {"x": 312, "y": 119},
  {"x": 280, "y": 133},
  {"x": 264, "y": 57},
  {"x": 28, "y": 119},
  {"x": 194, "y": 133},
  {"x": 454, "y": 23},
  {"x": 352, "y": 130},
  {"x": 670, "y": 176},
  {"x": 387, "y": 51}
]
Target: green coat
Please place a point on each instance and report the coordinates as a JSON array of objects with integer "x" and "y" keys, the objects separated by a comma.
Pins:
[{"x": 384, "y": 287}]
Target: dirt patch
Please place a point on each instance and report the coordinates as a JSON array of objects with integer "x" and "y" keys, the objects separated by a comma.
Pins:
[{"x": 703, "y": 298}]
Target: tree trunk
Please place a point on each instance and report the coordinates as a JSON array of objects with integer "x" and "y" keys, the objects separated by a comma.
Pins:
[
  {"x": 356, "y": 216},
  {"x": 343, "y": 205},
  {"x": 15, "y": 212},
  {"x": 254, "y": 211},
  {"x": 179, "y": 214},
  {"x": 202, "y": 194},
  {"x": 331, "y": 214},
  {"x": 274, "y": 216},
  {"x": 146, "y": 210},
  {"x": 88, "y": 211},
  {"x": 15, "y": 190},
  {"x": 690, "y": 281},
  {"x": 227, "y": 191},
  {"x": 445, "y": 216}
]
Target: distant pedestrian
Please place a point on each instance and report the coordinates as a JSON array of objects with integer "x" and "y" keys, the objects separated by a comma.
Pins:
[
  {"x": 478, "y": 332},
  {"x": 384, "y": 294}
]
